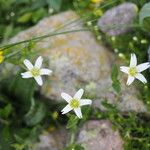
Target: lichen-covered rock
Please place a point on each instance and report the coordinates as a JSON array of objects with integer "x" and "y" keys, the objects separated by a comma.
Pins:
[
  {"x": 117, "y": 20},
  {"x": 98, "y": 135},
  {"x": 78, "y": 61},
  {"x": 52, "y": 141}
]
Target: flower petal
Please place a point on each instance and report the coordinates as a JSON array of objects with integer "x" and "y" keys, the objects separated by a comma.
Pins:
[
  {"x": 85, "y": 102},
  {"x": 143, "y": 66},
  {"x": 133, "y": 60},
  {"x": 66, "y": 109},
  {"x": 39, "y": 80},
  {"x": 38, "y": 62},
  {"x": 79, "y": 94},
  {"x": 26, "y": 74},
  {"x": 130, "y": 80},
  {"x": 66, "y": 97},
  {"x": 28, "y": 64},
  {"x": 141, "y": 78},
  {"x": 78, "y": 112},
  {"x": 45, "y": 71},
  {"x": 124, "y": 69}
]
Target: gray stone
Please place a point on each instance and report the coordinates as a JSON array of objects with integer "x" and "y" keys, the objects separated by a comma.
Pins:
[
  {"x": 55, "y": 140},
  {"x": 94, "y": 135},
  {"x": 79, "y": 61},
  {"x": 98, "y": 135},
  {"x": 117, "y": 20}
]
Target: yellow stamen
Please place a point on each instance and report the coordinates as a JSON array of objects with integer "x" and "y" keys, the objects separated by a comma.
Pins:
[
  {"x": 74, "y": 103},
  {"x": 35, "y": 72},
  {"x": 133, "y": 71}
]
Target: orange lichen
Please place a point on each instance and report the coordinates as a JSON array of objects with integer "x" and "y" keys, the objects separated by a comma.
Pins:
[{"x": 59, "y": 41}]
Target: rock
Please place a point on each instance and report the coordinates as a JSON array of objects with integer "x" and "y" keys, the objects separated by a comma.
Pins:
[
  {"x": 117, "y": 20},
  {"x": 94, "y": 135},
  {"x": 79, "y": 61},
  {"x": 52, "y": 141},
  {"x": 98, "y": 135},
  {"x": 6, "y": 68}
]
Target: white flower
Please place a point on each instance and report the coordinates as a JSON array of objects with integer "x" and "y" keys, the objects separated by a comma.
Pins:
[
  {"x": 35, "y": 71},
  {"x": 134, "y": 70},
  {"x": 74, "y": 103}
]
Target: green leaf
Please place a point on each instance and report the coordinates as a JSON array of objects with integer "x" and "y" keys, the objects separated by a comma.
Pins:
[
  {"x": 144, "y": 16},
  {"x": 38, "y": 4},
  {"x": 6, "y": 137},
  {"x": 22, "y": 90},
  {"x": 33, "y": 136},
  {"x": 18, "y": 146},
  {"x": 115, "y": 82},
  {"x": 55, "y": 4},
  {"x": 79, "y": 147},
  {"x": 6, "y": 133},
  {"x": 108, "y": 105},
  {"x": 114, "y": 73},
  {"x": 8, "y": 31},
  {"x": 25, "y": 18},
  {"x": 27, "y": 135},
  {"x": 73, "y": 120},
  {"x": 116, "y": 86},
  {"x": 36, "y": 113},
  {"x": 37, "y": 15},
  {"x": 18, "y": 139},
  {"x": 5, "y": 112},
  {"x": 22, "y": 2}
]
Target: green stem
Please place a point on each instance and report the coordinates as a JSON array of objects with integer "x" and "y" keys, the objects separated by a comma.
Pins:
[
  {"x": 72, "y": 138},
  {"x": 40, "y": 37}
]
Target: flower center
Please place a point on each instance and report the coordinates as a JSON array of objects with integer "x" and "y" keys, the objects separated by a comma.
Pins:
[
  {"x": 133, "y": 71},
  {"x": 35, "y": 72},
  {"x": 75, "y": 103}
]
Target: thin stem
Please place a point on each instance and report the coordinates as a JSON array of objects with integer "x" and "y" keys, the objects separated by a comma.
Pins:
[
  {"x": 72, "y": 138},
  {"x": 53, "y": 34},
  {"x": 109, "y": 3},
  {"x": 123, "y": 26},
  {"x": 40, "y": 37}
]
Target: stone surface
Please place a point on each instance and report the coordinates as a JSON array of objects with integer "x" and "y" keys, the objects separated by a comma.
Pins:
[
  {"x": 52, "y": 141},
  {"x": 79, "y": 61},
  {"x": 98, "y": 135},
  {"x": 94, "y": 135},
  {"x": 116, "y": 21}
]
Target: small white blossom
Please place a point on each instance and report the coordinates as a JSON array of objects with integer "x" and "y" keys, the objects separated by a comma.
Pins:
[
  {"x": 75, "y": 102},
  {"x": 134, "y": 70},
  {"x": 35, "y": 71}
]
